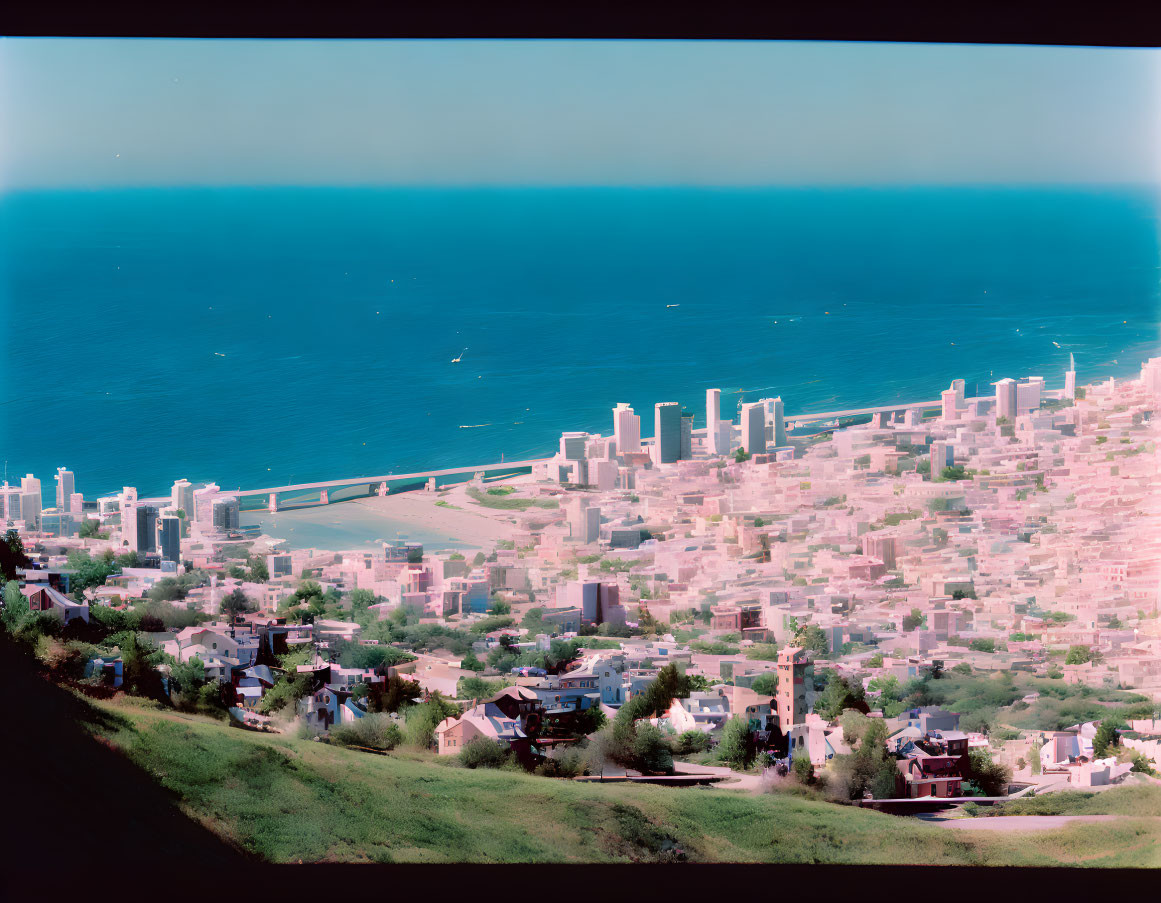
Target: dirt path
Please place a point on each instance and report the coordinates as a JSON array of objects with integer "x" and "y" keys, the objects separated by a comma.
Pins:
[{"x": 736, "y": 780}]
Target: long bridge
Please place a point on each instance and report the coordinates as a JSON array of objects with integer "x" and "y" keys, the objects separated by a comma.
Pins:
[{"x": 323, "y": 492}]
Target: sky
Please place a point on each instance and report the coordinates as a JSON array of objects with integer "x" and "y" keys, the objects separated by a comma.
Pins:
[{"x": 96, "y": 113}]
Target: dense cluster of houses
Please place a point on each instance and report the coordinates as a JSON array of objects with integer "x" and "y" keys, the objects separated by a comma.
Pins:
[{"x": 1001, "y": 532}]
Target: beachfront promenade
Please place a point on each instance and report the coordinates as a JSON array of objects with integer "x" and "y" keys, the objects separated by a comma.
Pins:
[{"x": 324, "y": 492}]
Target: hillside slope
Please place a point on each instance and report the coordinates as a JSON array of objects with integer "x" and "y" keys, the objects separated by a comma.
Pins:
[{"x": 290, "y": 800}]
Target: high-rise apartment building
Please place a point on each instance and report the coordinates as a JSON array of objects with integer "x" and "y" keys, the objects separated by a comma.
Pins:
[
  {"x": 754, "y": 428},
  {"x": 1006, "y": 399},
  {"x": 171, "y": 538},
  {"x": 666, "y": 432},
  {"x": 146, "y": 528},
  {"x": 65, "y": 487},
  {"x": 626, "y": 430}
]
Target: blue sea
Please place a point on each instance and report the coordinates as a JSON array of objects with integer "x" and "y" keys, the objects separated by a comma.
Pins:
[{"x": 268, "y": 336}]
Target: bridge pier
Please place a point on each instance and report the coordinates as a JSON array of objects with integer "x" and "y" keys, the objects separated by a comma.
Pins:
[
  {"x": 272, "y": 505},
  {"x": 322, "y": 497}
]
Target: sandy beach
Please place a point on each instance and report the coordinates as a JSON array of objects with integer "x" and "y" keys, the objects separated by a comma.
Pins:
[
  {"x": 467, "y": 522},
  {"x": 415, "y": 516}
]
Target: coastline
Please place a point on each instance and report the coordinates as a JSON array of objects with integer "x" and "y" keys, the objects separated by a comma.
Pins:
[{"x": 365, "y": 523}]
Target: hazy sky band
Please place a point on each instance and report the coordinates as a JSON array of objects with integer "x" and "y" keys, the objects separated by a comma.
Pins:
[{"x": 183, "y": 112}]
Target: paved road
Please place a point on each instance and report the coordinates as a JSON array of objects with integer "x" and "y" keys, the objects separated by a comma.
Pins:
[{"x": 1021, "y": 822}]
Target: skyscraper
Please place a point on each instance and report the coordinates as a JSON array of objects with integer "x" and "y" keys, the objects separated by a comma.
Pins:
[
  {"x": 686, "y": 436},
  {"x": 1028, "y": 394},
  {"x": 203, "y": 513},
  {"x": 713, "y": 421},
  {"x": 666, "y": 432},
  {"x": 226, "y": 513},
  {"x": 1006, "y": 399},
  {"x": 31, "y": 501},
  {"x": 65, "y": 487},
  {"x": 754, "y": 428},
  {"x": 626, "y": 430},
  {"x": 9, "y": 504},
  {"x": 584, "y": 521},
  {"x": 950, "y": 404},
  {"x": 171, "y": 538},
  {"x": 942, "y": 455},
  {"x": 127, "y": 502},
  {"x": 182, "y": 497},
  {"x": 779, "y": 414},
  {"x": 146, "y": 519}
]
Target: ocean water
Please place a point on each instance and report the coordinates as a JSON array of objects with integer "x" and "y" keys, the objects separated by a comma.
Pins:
[{"x": 258, "y": 337}]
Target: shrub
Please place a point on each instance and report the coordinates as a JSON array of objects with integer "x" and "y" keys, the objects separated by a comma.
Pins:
[
  {"x": 692, "y": 741},
  {"x": 484, "y": 752},
  {"x": 373, "y": 731},
  {"x": 804, "y": 770}
]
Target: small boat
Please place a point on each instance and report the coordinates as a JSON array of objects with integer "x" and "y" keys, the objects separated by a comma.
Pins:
[
  {"x": 456, "y": 360},
  {"x": 672, "y": 305}
]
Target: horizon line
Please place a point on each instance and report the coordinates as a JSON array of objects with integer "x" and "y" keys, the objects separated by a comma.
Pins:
[{"x": 556, "y": 186}]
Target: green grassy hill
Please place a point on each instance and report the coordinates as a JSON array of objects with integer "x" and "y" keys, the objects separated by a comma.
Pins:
[
  {"x": 288, "y": 800},
  {"x": 1143, "y": 800}
]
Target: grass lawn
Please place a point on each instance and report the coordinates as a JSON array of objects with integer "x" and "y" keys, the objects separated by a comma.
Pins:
[
  {"x": 288, "y": 800},
  {"x": 511, "y": 504},
  {"x": 1140, "y": 801}
]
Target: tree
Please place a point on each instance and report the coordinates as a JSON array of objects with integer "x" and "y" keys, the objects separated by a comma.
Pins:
[
  {"x": 1107, "y": 737},
  {"x": 501, "y": 607},
  {"x": 765, "y": 684},
  {"x": 259, "y": 573},
  {"x": 479, "y": 559},
  {"x": 983, "y": 644},
  {"x": 737, "y": 743},
  {"x": 979, "y": 721},
  {"x": 471, "y": 663},
  {"x": 650, "y": 751},
  {"x": 1078, "y": 655},
  {"x": 424, "y": 718},
  {"x": 90, "y": 528},
  {"x": 16, "y": 608},
  {"x": 1034, "y": 758},
  {"x": 236, "y": 603},
  {"x": 1021, "y": 764},
  {"x": 167, "y": 589},
  {"x": 12, "y": 556},
  {"x": 812, "y": 638},
  {"x": 854, "y": 724},
  {"x": 138, "y": 675},
  {"x": 875, "y": 661},
  {"x": 990, "y": 776},
  {"x": 393, "y": 694},
  {"x": 741, "y": 455},
  {"x": 913, "y": 620},
  {"x": 838, "y": 695},
  {"x": 869, "y": 768}
]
